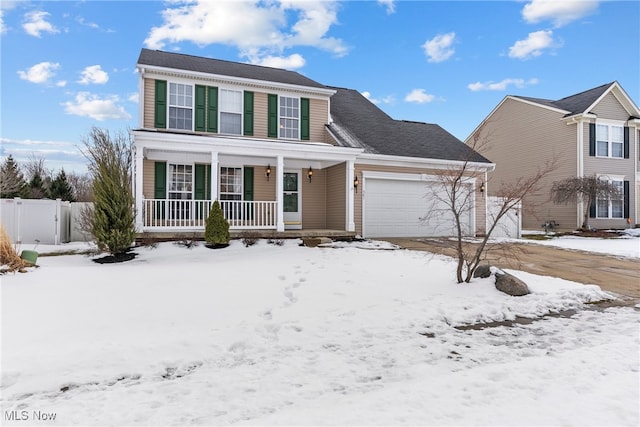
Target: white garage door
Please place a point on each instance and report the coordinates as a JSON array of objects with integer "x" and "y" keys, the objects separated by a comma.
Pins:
[{"x": 402, "y": 208}]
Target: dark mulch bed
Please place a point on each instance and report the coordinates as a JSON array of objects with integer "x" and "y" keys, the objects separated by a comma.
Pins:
[{"x": 112, "y": 259}]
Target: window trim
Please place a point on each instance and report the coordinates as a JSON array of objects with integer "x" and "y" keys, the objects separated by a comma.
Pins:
[
  {"x": 170, "y": 105},
  {"x": 298, "y": 119},
  {"x": 220, "y": 110},
  {"x": 610, "y": 124},
  {"x": 610, "y": 202}
]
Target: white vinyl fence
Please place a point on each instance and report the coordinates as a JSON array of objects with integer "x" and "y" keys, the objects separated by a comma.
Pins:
[
  {"x": 30, "y": 221},
  {"x": 510, "y": 225}
]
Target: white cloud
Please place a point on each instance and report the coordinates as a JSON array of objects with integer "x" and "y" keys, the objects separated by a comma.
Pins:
[
  {"x": 3, "y": 28},
  {"x": 290, "y": 62},
  {"x": 419, "y": 96},
  {"x": 390, "y": 5},
  {"x": 90, "y": 105},
  {"x": 389, "y": 99},
  {"x": 501, "y": 85},
  {"x": 80, "y": 20},
  {"x": 93, "y": 74},
  {"x": 439, "y": 49},
  {"x": 256, "y": 28},
  {"x": 533, "y": 45},
  {"x": 560, "y": 12},
  {"x": 36, "y": 23},
  {"x": 134, "y": 97},
  {"x": 40, "y": 73}
]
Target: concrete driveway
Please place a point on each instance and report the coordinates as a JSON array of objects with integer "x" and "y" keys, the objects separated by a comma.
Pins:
[{"x": 615, "y": 274}]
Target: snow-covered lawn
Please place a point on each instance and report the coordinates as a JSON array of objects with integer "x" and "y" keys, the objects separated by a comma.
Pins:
[
  {"x": 306, "y": 336},
  {"x": 627, "y": 245}
]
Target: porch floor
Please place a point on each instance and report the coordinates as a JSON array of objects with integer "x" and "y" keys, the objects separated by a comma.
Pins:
[{"x": 238, "y": 234}]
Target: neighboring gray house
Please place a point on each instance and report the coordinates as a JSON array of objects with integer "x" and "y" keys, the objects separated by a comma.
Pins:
[
  {"x": 283, "y": 152},
  {"x": 592, "y": 132}
]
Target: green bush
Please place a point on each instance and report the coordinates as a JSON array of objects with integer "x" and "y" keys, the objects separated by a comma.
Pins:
[{"x": 216, "y": 231}]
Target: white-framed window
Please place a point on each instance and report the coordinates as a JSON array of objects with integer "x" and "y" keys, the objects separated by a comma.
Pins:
[
  {"x": 180, "y": 182},
  {"x": 612, "y": 207},
  {"x": 180, "y": 106},
  {"x": 289, "y": 117},
  {"x": 609, "y": 140},
  {"x": 230, "y": 105},
  {"x": 230, "y": 183}
]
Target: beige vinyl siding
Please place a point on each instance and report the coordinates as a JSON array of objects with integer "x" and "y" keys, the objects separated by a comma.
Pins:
[
  {"x": 260, "y": 115},
  {"x": 148, "y": 176},
  {"x": 360, "y": 168},
  {"x": 264, "y": 190},
  {"x": 336, "y": 197},
  {"x": 149, "y": 103},
  {"x": 610, "y": 108},
  {"x": 318, "y": 112},
  {"x": 520, "y": 138},
  {"x": 314, "y": 194}
]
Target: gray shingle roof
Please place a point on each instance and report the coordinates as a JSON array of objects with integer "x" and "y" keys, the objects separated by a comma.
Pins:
[
  {"x": 200, "y": 64},
  {"x": 575, "y": 104},
  {"x": 357, "y": 122}
]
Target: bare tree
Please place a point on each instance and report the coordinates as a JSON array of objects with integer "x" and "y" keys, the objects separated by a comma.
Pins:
[
  {"x": 585, "y": 189},
  {"x": 82, "y": 186},
  {"x": 454, "y": 194}
]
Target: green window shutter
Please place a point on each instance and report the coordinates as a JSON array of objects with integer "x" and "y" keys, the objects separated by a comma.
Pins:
[
  {"x": 160, "y": 181},
  {"x": 248, "y": 183},
  {"x": 304, "y": 118},
  {"x": 626, "y": 143},
  {"x": 201, "y": 108},
  {"x": 272, "y": 116},
  {"x": 200, "y": 182},
  {"x": 160, "y": 114},
  {"x": 592, "y": 139},
  {"x": 625, "y": 192},
  {"x": 248, "y": 113},
  {"x": 212, "y": 109}
]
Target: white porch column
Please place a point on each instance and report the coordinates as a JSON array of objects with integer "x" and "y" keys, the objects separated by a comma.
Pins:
[
  {"x": 137, "y": 187},
  {"x": 279, "y": 194},
  {"x": 349, "y": 220},
  {"x": 214, "y": 176}
]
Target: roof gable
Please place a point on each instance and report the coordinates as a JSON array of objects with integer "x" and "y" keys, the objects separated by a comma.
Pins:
[{"x": 179, "y": 61}]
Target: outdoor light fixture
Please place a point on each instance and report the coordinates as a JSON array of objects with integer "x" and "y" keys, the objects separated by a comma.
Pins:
[
  {"x": 309, "y": 173},
  {"x": 268, "y": 172},
  {"x": 482, "y": 187},
  {"x": 356, "y": 183}
]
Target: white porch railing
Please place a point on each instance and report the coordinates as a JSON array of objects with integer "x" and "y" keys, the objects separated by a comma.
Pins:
[{"x": 192, "y": 214}]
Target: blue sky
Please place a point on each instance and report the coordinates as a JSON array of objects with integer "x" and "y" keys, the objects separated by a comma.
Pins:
[{"x": 67, "y": 66}]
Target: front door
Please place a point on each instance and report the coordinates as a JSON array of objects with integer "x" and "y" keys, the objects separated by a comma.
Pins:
[{"x": 292, "y": 201}]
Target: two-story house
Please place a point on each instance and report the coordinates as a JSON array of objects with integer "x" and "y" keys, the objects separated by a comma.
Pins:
[
  {"x": 595, "y": 132},
  {"x": 283, "y": 152}
]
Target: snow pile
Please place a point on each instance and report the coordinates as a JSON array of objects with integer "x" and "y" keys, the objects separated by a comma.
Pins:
[{"x": 306, "y": 336}]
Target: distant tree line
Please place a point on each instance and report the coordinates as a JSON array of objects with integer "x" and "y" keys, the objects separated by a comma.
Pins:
[{"x": 33, "y": 180}]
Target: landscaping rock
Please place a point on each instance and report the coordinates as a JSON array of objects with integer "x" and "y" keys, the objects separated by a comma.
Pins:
[
  {"x": 511, "y": 285},
  {"x": 483, "y": 271}
]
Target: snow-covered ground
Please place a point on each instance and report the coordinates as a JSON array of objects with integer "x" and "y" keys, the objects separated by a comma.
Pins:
[
  {"x": 627, "y": 245},
  {"x": 306, "y": 336}
]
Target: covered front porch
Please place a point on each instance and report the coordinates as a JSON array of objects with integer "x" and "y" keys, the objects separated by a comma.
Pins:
[{"x": 261, "y": 185}]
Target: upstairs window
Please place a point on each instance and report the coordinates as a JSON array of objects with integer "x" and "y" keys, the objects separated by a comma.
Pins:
[
  {"x": 180, "y": 106},
  {"x": 230, "y": 105},
  {"x": 289, "y": 117},
  {"x": 609, "y": 141}
]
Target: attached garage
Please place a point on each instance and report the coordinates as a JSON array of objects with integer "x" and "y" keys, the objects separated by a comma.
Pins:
[{"x": 407, "y": 205}]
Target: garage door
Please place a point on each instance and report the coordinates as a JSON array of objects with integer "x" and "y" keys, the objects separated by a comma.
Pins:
[{"x": 403, "y": 208}]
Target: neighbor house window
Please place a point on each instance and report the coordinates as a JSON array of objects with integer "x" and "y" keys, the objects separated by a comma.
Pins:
[
  {"x": 230, "y": 111},
  {"x": 611, "y": 207},
  {"x": 289, "y": 117},
  {"x": 230, "y": 183},
  {"x": 609, "y": 140}
]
